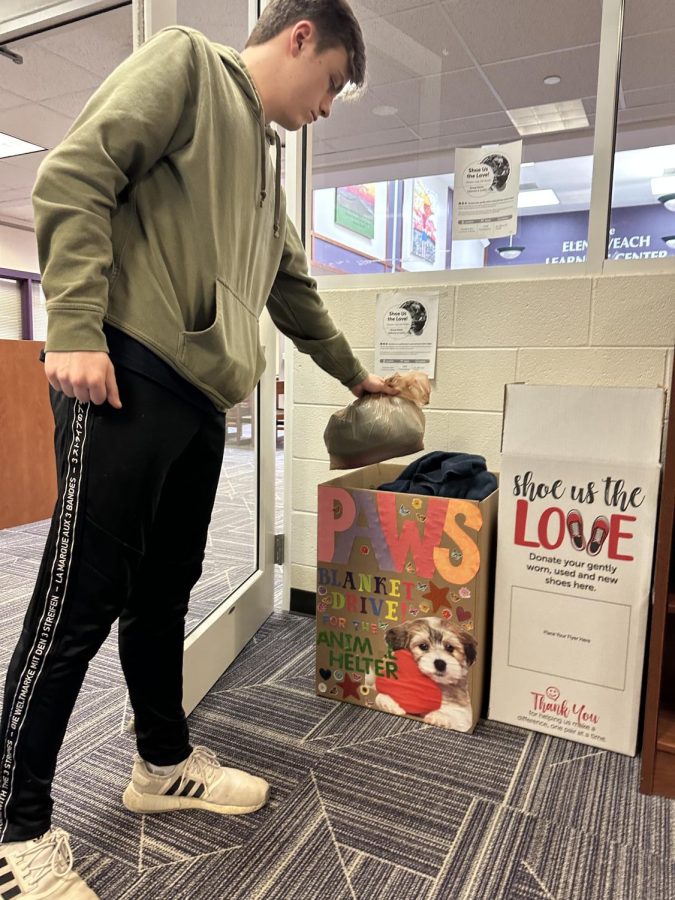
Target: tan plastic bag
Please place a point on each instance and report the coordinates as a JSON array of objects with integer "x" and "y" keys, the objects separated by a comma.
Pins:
[{"x": 378, "y": 426}]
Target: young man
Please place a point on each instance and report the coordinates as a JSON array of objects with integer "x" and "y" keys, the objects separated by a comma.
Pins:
[{"x": 162, "y": 233}]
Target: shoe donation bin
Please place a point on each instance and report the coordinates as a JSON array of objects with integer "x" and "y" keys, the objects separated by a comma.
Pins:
[
  {"x": 402, "y": 598},
  {"x": 580, "y": 482}
]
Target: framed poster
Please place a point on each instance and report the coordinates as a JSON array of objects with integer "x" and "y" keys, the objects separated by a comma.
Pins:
[
  {"x": 355, "y": 208},
  {"x": 424, "y": 211}
]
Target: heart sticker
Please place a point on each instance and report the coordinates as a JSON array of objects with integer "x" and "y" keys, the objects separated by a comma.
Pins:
[{"x": 325, "y": 674}]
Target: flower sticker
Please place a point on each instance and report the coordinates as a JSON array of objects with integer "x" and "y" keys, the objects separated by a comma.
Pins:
[
  {"x": 464, "y": 593},
  {"x": 446, "y": 613},
  {"x": 416, "y": 503},
  {"x": 364, "y": 550}
]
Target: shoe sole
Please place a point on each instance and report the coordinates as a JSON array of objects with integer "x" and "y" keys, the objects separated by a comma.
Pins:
[{"x": 158, "y": 803}]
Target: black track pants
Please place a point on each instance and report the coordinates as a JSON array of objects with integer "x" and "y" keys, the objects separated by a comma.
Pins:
[{"x": 136, "y": 489}]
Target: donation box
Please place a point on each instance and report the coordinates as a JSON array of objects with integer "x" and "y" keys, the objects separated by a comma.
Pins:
[
  {"x": 580, "y": 483},
  {"x": 402, "y": 598}
]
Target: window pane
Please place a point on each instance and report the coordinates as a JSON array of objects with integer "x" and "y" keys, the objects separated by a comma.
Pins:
[
  {"x": 447, "y": 75},
  {"x": 642, "y": 224},
  {"x": 10, "y": 309},
  {"x": 39, "y": 307}
]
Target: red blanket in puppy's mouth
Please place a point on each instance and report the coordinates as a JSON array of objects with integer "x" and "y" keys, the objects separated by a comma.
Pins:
[{"x": 416, "y": 693}]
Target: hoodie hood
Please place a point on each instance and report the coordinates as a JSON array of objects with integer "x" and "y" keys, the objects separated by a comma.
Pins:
[{"x": 240, "y": 73}]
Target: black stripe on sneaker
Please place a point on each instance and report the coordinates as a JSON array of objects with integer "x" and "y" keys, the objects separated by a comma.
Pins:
[
  {"x": 8, "y": 876},
  {"x": 188, "y": 787},
  {"x": 174, "y": 787},
  {"x": 3, "y": 862},
  {"x": 12, "y": 892},
  {"x": 199, "y": 791}
]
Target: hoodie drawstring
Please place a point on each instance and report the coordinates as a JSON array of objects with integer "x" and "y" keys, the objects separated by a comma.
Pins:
[
  {"x": 263, "y": 166},
  {"x": 270, "y": 134},
  {"x": 277, "y": 185}
]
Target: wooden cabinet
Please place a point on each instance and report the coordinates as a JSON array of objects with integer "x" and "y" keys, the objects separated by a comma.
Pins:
[
  {"x": 658, "y": 739},
  {"x": 27, "y": 465}
]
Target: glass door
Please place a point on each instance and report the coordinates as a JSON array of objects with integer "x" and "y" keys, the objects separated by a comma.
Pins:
[{"x": 236, "y": 591}]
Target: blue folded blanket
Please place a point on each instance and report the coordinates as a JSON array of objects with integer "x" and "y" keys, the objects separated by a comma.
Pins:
[{"x": 463, "y": 476}]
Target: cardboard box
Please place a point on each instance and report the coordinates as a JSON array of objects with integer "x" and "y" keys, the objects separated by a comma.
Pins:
[
  {"x": 402, "y": 598},
  {"x": 580, "y": 482}
]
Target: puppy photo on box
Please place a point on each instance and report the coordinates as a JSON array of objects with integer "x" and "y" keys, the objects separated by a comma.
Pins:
[{"x": 433, "y": 658}]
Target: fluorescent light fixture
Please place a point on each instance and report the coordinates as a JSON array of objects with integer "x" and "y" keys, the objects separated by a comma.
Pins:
[
  {"x": 545, "y": 197},
  {"x": 564, "y": 116},
  {"x": 11, "y": 146},
  {"x": 525, "y": 165},
  {"x": 668, "y": 201},
  {"x": 552, "y": 79},
  {"x": 663, "y": 185},
  {"x": 669, "y": 240}
]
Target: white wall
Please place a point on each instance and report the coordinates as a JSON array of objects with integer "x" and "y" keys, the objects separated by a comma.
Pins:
[
  {"x": 609, "y": 330},
  {"x": 18, "y": 249}
]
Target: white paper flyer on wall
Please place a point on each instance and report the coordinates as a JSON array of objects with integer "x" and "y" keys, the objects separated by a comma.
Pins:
[{"x": 485, "y": 193}]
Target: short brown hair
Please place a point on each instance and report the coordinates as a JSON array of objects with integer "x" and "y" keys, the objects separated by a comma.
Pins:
[{"x": 335, "y": 23}]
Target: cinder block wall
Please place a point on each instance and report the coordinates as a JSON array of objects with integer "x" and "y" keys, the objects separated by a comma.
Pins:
[{"x": 610, "y": 330}]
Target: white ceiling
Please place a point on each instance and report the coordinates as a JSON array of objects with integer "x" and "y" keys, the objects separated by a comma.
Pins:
[{"x": 450, "y": 68}]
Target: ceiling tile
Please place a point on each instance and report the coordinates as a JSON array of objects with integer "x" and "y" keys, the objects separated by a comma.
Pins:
[
  {"x": 464, "y": 125},
  {"x": 373, "y": 139},
  {"x": 647, "y": 113},
  {"x": 425, "y": 100},
  {"x": 13, "y": 178},
  {"x": 420, "y": 38},
  {"x": 70, "y": 105},
  {"x": 43, "y": 74},
  {"x": 36, "y": 124},
  {"x": 648, "y": 61},
  {"x": 643, "y": 16},
  {"x": 13, "y": 210},
  {"x": 28, "y": 162},
  {"x": 517, "y": 28},
  {"x": 225, "y": 22},
  {"x": 98, "y": 44},
  {"x": 353, "y": 117},
  {"x": 7, "y": 99},
  {"x": 520, "y": 82},
  {"x": 369, "y": 9},
  {"x": 648, "y": 96}
]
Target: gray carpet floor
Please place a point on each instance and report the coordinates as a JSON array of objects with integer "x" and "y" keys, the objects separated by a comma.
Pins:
[{"x": 365, "y": 806}]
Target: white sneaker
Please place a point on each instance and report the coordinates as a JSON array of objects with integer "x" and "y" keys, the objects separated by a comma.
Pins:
[
  {"x": 199, "y": 782},
  {"x": 41, "y": 868}
]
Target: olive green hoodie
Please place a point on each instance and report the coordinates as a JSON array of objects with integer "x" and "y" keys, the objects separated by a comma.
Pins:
[{"x": 160, "y": 213}]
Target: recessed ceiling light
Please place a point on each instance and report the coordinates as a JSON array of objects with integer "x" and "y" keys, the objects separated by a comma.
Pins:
[
  {"x": 564, "y": 116},
  {"x": 385, "y": 110},
  {"x": 663, "y": 185},
  {"x": 669, "y": 239},
  {"x": 668, "y": 201},
  {"x": 552, "y": 79},
  {"x": 545, "y": 197},
  {"x": 11, "y": 146}
]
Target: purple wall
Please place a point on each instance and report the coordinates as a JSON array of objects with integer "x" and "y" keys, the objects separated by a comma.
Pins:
[{"x": 635, "y": 233}]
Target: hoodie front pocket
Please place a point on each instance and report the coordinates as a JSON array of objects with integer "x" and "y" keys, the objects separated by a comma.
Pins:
[{"x": 227, "y": 355}]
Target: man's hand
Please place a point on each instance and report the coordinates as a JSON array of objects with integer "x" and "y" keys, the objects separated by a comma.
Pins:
[
  {"x": 373, "y": 384},
  {"x": 87, "y": 375}
]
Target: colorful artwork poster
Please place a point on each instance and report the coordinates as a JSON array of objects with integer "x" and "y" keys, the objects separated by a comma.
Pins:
[
  {"x": 355, "y": 208},
  {"x": 425, "y": 205}
]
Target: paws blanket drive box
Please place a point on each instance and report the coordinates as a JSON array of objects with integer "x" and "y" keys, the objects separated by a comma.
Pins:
[{"x": 403, "y": 581}]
